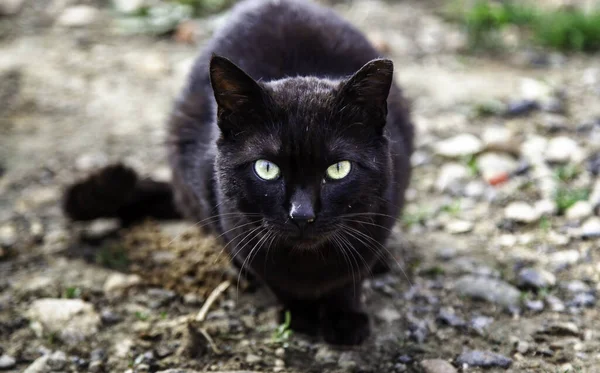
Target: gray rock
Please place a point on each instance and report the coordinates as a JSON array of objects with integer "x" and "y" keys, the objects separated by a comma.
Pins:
[
  {"x": 489, "y": 289},
  {"x": 8, "y": 235},
  {"x": 535, "y": 305},
  {"x": 459, "y": 146},
  {"x": 582, "y": 300},
  {"x": 253, "y": 359},
  {"x": 561, "y": 259},
  {"x": 7, "y": 362},
  {"x": 389, "y": 315},
  {"x": 437, "y": 366},
  {"x": 10, "y": 7},
  {"x": 72, "y": 319},
  {"x": 483, "y": 359},
  {"x": 78, "y": 16},
  {"x": 561, "y": 329},
  {"x": 57, "y": 361},
  {"x": 521, "y": 107},
  {"x": 38, "y": 366},
  {"x": 326, "y": 355},
  {"x": 555, "y": 303},
  {"x": 448, "y": 317},
  {"x": 576, "y": 286},
  {"x": 117, "y": 283},
  {"x": 480, "y": 323},
  {"x": 347, "y": 361},
  {"x": 535, "y": 278}
]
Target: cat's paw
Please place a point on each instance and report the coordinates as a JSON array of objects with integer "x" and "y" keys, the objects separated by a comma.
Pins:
[{"x": 347, "y": 328}]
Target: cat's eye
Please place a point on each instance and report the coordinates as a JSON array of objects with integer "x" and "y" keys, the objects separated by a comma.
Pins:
[
  {"x": 339, "y": 170},
  {"x": 266, "y": 170}
]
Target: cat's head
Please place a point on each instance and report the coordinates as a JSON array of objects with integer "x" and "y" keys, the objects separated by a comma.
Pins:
[{"x": 303, "y": 156}]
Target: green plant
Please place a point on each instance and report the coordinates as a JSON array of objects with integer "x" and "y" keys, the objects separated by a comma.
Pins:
[
  {"x": 142, "y": 316},
  {"x": 566, "y": 197},
  {"x": 564, "y": 29},
  {"x": 566, "y": 173},
  {"x": 72, "y": 292},
  {"x": 283, "y": 332}
]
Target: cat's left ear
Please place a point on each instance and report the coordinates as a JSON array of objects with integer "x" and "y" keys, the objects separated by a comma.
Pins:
[
  {"x": 370, "y": 86},
  {"x": 234, "y": 90}
]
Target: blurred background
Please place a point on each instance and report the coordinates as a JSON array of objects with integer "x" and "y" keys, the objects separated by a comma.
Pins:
[{"x": 500, "y": 236}]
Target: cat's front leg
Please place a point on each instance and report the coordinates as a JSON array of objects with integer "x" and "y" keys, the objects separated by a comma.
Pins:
[{"x": 343, "y": 320}]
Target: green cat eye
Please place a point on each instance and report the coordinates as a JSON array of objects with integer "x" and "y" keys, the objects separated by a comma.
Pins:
[
  {"x": 266, "y": 170},
  {"x": 339, "y": 170}
]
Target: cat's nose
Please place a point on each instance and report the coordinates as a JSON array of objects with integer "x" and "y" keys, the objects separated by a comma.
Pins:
[{"x": 302, "y": 209}]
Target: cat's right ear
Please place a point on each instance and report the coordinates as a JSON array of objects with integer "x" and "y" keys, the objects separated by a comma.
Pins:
[{"x": 234, "y": 90}]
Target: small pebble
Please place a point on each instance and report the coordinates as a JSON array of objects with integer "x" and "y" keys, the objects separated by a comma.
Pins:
[
  {"x": 459, "y": 226},
  {"x": 535, "y": 305},
  {"x": 78, "y": 16},
  {"x": 521, "y": 107},
  {"x": 489, "y": 289},
  {"x": 580, "y": 210},
  {"x": 405, "y": 359},
  {"x": 437, "y": 366},
  {"x": 591, "y": 228},
  {"x": 535, "y": 278},
  {"x": 448, "y": 317},
  {"x": 57, "y": 361},
  {"x": 521, "y": 212},
  {"x": 253, "y": 359},
  {"x": 593, "y": 164},
  {"x": 7, "y": 362},
  {"x": 483, "y": 359},
  {"x": 583, "y": 300},
  {"x": 480, "y": 323},
  {"x": 563, "y": 149},
  {"x": 576, "y": 286},
  {"x": 561, "y": 329},
  {"x": 556, "y": 305},
  {"x": 459, "y": 146},
  {"x": 561, "y": 259}
]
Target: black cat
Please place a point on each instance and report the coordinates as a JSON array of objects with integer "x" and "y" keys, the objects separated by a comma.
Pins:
[{"x": 291, "y": 140}]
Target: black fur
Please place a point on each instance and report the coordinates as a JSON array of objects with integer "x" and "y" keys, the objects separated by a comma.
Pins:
[{"x": 293, "y": 83}]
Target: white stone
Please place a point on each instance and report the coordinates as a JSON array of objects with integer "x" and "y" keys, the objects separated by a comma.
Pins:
[
  {"x": 78, "y": 16},
  {"x": 72, "y": 319},
  {"x": 38, "y": 366},
  {"x": 563, "y": 149},
  {"x": 565, "y": 257},
  {"x": 494, "y": 164},
  {"x": 10, "y": 7},
  {"x": 449, "y": 174},
  {"x": 8, "y": 235},
  {"x": 90, "y": 161},
  {"x": 532, "y": 89},
  {"x": 459, "y": 226},
  {"x": 591, "y": 228},
  {"x": 123, "y": 347},
  {"x": 458, "y": 146},
  {"x": 118, "y": 282},
  {"x": 546, "y": 207},
  {"x": 521, "y": 212},
  {"x": 580, "y": 210},
  {"x": 389, "y": 315},
  {"x": 128, "y": 6},
  {"x": 496, "y": 137},
  {"x": 595, "y": 195}
]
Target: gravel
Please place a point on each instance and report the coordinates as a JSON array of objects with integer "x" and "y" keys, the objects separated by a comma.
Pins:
[
  {"x": 483, "y": 359},
  {"x": 488, "y": 289}
]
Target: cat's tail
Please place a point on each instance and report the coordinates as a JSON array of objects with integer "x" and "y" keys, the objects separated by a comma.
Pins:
[{"x": 116, "y": 191}]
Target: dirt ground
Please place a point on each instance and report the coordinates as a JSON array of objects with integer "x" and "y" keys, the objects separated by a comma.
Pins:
[{"x": 490, "y": 277}]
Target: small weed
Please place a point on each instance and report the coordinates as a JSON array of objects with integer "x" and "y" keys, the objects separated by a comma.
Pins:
[
  {"x": 164, "y": 315},
  {"x": 53, "y": 338},
  {"x": 453, "y": 208},
  {"x": 566, "y": 173},
  {"x": 283, "y": 332},
  {"x": 545, "y": 224},
  {"x": 565, "y": 197},
  {"x": 112, "y": 256},
  {"x": 433, "y": 271},
  {"x": 72, "y": 292},
  {"x": 413, "y": 218},
  {"x": 489, "y": 108},
  {"x": 142, "y": 316}
]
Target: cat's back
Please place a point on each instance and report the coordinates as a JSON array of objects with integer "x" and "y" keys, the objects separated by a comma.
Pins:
[{"x": 272, "y": 39}]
